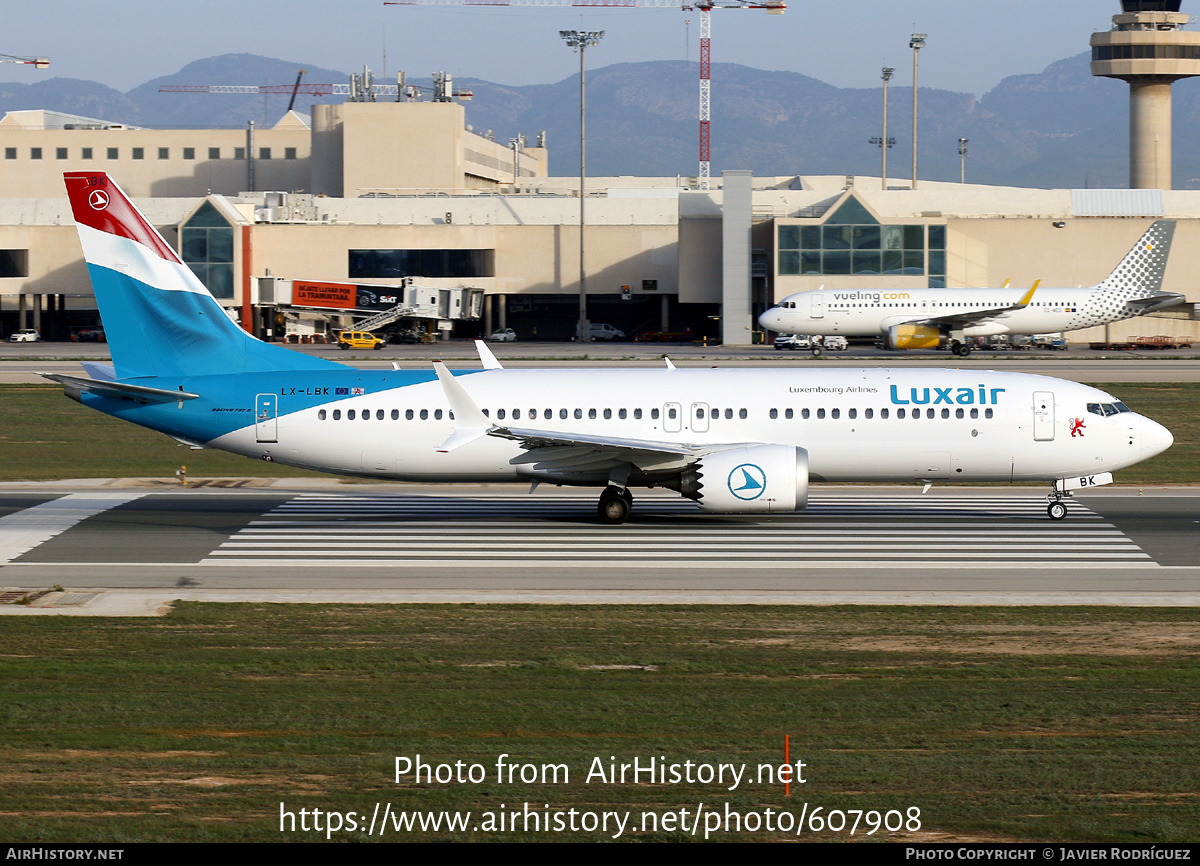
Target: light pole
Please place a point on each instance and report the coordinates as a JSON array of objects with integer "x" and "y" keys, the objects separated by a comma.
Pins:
[
  {"x": 962, "y": 159},
  {"x": 916, "y": 44},
  {"x": 581, "y": 40},
  {"x": 886, "y": 75}
]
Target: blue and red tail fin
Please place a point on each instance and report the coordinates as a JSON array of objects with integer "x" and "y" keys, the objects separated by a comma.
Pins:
[{"x": 159, "y": 319}]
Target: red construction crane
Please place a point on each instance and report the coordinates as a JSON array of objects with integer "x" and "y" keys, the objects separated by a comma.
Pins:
[
  {"x": 704, "y": 7},
  {"x": 36, "y": 62}
]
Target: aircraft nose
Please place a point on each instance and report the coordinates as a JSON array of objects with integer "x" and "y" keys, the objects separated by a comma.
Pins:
[
  {"x": 1155, "y": 437},
  {"x": 770, "y": 319}
]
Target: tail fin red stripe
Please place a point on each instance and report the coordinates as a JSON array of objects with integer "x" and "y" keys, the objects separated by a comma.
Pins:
[{"x": 97, "y": 202}]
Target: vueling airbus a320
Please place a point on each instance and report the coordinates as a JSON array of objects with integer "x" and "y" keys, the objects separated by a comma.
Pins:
[
  {"x": 735, "y": 441},
  {"x": 928, "y": 318}
]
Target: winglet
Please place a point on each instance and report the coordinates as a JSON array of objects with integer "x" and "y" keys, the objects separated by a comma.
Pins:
[
  {"x": 670, "y": 366},
  {"x": 470, "y": 422},
  {"x": 1024, "y": 302},
  {"x": 486, "y": 357}
]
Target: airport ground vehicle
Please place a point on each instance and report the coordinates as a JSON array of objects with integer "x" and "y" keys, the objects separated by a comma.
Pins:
[
  {"x": 359, "y": 340},
  {"x": 603, "y": 331},
  {"x": 733, "y": 440},
  {"x": 793, "y": 342},
  {"x": 504, "y": 335},
  {"x": 25, "y": 335}
]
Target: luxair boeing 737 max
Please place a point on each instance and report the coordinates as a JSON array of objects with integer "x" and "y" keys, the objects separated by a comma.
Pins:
[
  {"x": 928, "y": 318},
  {"x": 733, "y": 440}
]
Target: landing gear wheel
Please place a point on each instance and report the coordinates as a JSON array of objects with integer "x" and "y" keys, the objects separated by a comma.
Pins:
[
  {"x": 1056, "y": 510},
  {"x": 956, "y": 348},
  {"x": 615, "y": 505},
  {"x": 964, "y": 351},
  {"x": 816, "y": 353}
]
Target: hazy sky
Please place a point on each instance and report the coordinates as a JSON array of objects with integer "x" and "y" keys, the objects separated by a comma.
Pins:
[{"x": 971, "y": 45}]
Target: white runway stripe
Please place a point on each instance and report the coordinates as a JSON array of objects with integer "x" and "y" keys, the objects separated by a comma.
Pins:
[{"x": 948, "y": 531}]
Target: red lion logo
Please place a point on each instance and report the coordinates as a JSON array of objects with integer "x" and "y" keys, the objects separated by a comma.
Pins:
[{"x": 1076, "y": 427}]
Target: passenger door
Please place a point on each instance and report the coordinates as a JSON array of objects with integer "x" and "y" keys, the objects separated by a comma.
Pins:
[
  {"x": 1043, "y": 416},
  {"x": 266, "y": 411}
]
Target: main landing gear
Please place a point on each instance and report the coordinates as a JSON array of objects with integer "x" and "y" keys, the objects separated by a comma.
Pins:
[
  {"x": 1057, "y": 509},
  {"x": 615, "y": 504},
  {"x": 960, "y": 349}
]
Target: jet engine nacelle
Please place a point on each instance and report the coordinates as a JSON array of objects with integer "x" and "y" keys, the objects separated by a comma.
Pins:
[
  {"x": 761, "y": 478},
  {"x": 913, "y": 337}
]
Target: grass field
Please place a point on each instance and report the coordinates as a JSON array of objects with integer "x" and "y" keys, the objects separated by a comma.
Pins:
[
  {"x": 46, "y": 436},
  {"x": 996, "y": 723}
]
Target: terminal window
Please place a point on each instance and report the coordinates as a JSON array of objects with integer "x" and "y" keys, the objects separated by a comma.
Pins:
[
  {"x": 35, "y": 153},
  {"x": 289, "y": 153},
  {"x": 852, "y": 241},
  {"x": 112, "y": 153},
  {"x": 390, "y": 264},
  {"x": 164, "y": 153},
  {"x": 239, "y": 153},
  {"x": 14, "y": 263},
  {"x": 214, "y": 153},
  {"x": 264, "y": 153},
  {"x": 189, "y": 153},
  {"x": 138, "y": 153},
  {"x": 206, "y": 241},
  {"x": 85, "y": 153},
  {"x": 10, "y": 153},
  {"x": 60, "y": 153}
]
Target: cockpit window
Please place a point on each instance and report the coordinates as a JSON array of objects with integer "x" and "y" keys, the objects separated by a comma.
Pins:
[
  {"x": 1094, "y": 408},
  {"x": 1121, "y": 407},
  {"x": 1109, "y": 408}
]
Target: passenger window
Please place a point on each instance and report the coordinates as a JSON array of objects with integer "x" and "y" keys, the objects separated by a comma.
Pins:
[
  {"x": 820, "y": 413},
  {"x": 959, "y": 413},
  {"x": 548, "y": 414},
  {"x": 578, "y": 414},
  {"x": 742, "y": 414},
  {"x": 835, "y": 413},
  {"x": 870, "y": 413},
  {"x": 349, "y": 414},
  {"x": 654, "y": 414},
  {"x": 366, "y": 416},
  {"x": 671, "y": 413},
  {"x": 591, "y": 414},
  {"x": 321, "y": 415},
  {"x": 974, "y": 413},
  {"x": 729, "y": 414},
  {"x": 408, "y": 414},
  {"x": 787, "y": 413},
  {"x": 883, "y": 413},
  {"x": 987, "y": 413},
  {"x": 337, "y": 414},
  {"x": 395, "y": 414},
  {"x": 621, "y": 414},
  {"x": 945, "y": 413},
  {"x": 853, "y": 413},
  {"x": 500, "y": 414},
  {"x": 804, "y": 414},
  {"x": 378, "y": 414},
  {"x": 608, "y": 414},
  {"x": 900, "y": 413},
  {"x": 637, "y": 414},
  {"x": 929, "y": 413},
  {"x": 562, "y": 413},
  {"x": 774, "y": 413},
  {"x": 437, "y": 414}
]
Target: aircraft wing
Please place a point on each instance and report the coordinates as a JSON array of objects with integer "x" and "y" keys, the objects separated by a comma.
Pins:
[
  {"x": 584, "y": 452},
  {"x": 956, "y": 321}
]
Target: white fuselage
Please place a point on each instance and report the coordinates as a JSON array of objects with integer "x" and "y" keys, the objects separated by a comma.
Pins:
[
  {"x": 856, "y": 425},
  {"x": 871, "y": 312}
]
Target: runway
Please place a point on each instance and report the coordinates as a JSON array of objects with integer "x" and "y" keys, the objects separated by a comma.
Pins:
[{"x": 412, "y": 543}]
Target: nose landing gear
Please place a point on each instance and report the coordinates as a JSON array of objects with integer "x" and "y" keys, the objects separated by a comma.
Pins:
[
  {"x": 960, "y": 349},
  {"x": 1057, "y": 509}
]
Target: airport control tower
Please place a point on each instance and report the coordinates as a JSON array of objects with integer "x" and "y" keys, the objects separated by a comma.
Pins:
[{"x": 1148, "y": 48}]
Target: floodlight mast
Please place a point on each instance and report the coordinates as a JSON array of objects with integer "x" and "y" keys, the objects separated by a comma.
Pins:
[
  {"x": 580, "y": 41},
  {"x": 916, "y": 43}
]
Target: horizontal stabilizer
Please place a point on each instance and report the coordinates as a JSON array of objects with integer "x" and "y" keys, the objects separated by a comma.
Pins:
[{"x": 119, "y": 390}]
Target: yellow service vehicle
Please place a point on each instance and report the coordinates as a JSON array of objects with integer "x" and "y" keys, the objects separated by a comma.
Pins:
[{"x": 359, "y": 340}]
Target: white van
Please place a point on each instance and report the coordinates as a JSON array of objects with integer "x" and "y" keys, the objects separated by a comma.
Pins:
[{"x": 601, "y": 331}]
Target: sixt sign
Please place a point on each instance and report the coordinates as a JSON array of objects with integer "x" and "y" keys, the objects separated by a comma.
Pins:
[{"x": 948, "y": 396}]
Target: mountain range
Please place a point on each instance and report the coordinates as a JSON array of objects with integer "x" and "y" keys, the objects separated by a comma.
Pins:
[{"x": 1059, "y": 128}]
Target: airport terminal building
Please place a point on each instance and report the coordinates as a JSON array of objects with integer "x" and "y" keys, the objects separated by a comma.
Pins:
[{"x": 386, "y": 197}]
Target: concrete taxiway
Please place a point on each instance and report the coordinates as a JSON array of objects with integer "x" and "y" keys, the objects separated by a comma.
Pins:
[{"x": 131, "y": 547}]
